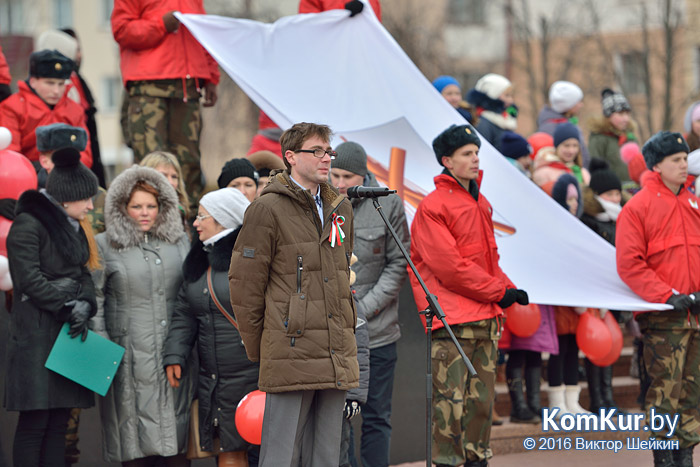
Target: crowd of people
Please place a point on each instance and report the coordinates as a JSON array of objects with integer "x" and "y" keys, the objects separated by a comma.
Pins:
[{"x": 278, "y": 281}]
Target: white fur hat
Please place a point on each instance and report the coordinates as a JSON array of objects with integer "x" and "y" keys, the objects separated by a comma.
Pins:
[
  {"x": 564, "y": 95},
  {"x": 54, "y": 39},
  {"x": 493, "y": 85},
  {"x": 226, "y": 206}
]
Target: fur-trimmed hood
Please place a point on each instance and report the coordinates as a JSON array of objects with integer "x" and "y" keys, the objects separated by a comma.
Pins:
[
  {"x": 123, "y": 231},
  {"x": 218, "y": 257},
  {"x": 601, "y": 124},
  {"x": 74, "y": 246}
]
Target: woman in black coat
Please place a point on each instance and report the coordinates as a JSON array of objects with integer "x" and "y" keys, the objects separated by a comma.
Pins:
[
  {"x": 48, "y": 252},
  {"x": 225, "y": 373}
]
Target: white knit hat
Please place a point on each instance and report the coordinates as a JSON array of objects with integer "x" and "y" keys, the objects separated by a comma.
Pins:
[
  {"x": 54, "y": 39},
  {"x": 226, "y": 206},
  {"x": 493, "y": 85},
  {"x": 564, "y": 95}
]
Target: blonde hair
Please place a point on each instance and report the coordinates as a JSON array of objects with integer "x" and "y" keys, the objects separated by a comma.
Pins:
[{"x": 156, "y": 158}]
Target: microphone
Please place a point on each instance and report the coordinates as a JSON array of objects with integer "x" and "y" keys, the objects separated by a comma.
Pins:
[{"x": 368, "y": 191}]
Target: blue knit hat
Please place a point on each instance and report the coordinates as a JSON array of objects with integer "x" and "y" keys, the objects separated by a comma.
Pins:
[
  {"x": 514, "y": 146},
  {"x": 565, "y": 131},
  {"x": 441, "y": 82}
]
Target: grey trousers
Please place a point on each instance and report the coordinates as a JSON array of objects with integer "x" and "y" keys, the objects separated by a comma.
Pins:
[{"x": 302, "y": 428}]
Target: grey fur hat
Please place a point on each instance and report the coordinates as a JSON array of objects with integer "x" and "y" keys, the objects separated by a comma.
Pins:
[
  {"x": 454, "y": 138},
  {"x": 60, "y": 135},
  {"x": 663, "y": 144},
  {"x": 123, "y": 231}
]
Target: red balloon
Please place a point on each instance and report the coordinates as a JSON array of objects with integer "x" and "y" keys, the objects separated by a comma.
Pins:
[
  {"x": 593, "y": 336},
  {"x": 616, "y": 349},
  {"x": 523, "y": 320},
  {"x": 17, "y": 174},
  {"x": 249, "y": 416},
  {"x": 4, "y": 230}
]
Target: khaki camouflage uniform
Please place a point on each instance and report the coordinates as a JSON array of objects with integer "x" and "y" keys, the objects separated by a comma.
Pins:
[
  {"x": 672, "y": 361},
  {"x": 462, "y": 404},
  {"x": 160, "y": 118}
]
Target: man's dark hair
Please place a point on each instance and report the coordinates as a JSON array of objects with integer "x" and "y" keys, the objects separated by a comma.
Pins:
[{"x": 293, "y": 138}]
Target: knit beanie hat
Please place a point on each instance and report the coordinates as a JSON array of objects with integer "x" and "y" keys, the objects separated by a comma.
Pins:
[
  {"x": 54, "y": 39},
  {"x": 565, "y": 131},
  {"x": 59, "y": 135},
  {"x": 514, "y": 146},
  {"x": 235, "y": 168},
  {"x": 70, "y": 180},
  {"x": 493, "y": 85},
  {"x": 227, "y": 206},
  {"x": 538, "y": 141},
  {"x": 441, "y": 82},
  {"x": 454, "y": 138},
  {"x": 561, "y": 191},
  {"x": 564, "y": 95},
  {"x": 50, "y": 64},
  {"x": 662, "y": 144},
  {"x": 602, "y": 178},
  {"x": 636, "y": 168},
  {"x": 692, "y": 114},
  {"x": 614, "y": 102},
  {"x": 351, "y": 157}
]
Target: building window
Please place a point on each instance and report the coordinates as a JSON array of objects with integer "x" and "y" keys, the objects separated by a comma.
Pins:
[
  {"x": 633, "y": 72},
  {"x": 111, "y": 93},
  {"x": 62, "y": 14},
  {"x": 466, "y": 11},
  {"x": 12, "y": 18}
]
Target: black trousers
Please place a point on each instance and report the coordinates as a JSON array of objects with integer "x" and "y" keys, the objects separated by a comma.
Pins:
[
  {"x": 565, "y": 365},
  {"x": 40, "y": 438}
]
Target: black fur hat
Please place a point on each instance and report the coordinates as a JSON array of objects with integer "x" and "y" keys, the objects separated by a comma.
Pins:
[
  {"x": 50, "y": 64},
  {"x": 70, "y": 180},
  {"x": 661, "y": 145},
  {"x": 59, "y": 135},
  {"x": 454, "y": 138}
]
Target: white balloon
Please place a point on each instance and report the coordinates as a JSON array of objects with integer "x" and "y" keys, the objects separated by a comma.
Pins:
[
  {"x": 4, "y": 265},
  {"x": 6, "y": 282},
  {"x": 5, "y": 137}
]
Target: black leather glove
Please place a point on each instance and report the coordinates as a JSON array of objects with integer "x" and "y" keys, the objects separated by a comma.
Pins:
[
  {"x": 7, "y": 208},
  {"x": 6, "y": 92},
  {"x": 695, "y": 307},
  {"x": 513, "y": 295},
  {"x": 680, "y": 302},
  {"x": 354, "y": 7},
  {"x": 79, "y": 317},
  {"x": 351, "y": 409},
  {"x": 521, "y": 297}
]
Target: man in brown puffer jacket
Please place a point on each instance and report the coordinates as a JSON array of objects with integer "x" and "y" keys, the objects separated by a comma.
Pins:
[{"x": 290, "y": 291}]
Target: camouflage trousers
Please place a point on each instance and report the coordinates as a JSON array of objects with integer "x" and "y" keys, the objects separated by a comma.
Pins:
[
  {"x": 161, "y": 119},
  {"x": 72, "y": 455},
  {"x": 672, "y": 361},
  {"x": 463, "y": 404}
]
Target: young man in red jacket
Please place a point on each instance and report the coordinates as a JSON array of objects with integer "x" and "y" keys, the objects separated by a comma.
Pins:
[
  {"x": 454, "y": 249},
  {"x": 658, "y": 257},
  {"x": 42, "y": 100},
  {"x": 165, "y": 72}
]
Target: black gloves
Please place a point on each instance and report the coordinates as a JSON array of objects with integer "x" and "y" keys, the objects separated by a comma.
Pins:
[
  {"x": 695, "y": 307},
  {"x": 7, "y": 208},
  {"x": 6, "y": 92},
  {"x": 351, "y": 409},
  {"x": 79, "y": 317},
  {"x": 680, "y": 302},
  {"x": 514, "y": 295},
  {"x": 354, "y": 7}
]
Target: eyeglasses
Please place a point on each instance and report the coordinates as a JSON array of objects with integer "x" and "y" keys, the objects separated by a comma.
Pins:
[
  {"x": 200, "y": 217},
  {"x": 318, "y": 152}
]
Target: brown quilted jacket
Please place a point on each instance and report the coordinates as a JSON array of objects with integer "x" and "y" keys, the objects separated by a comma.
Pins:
[{"x": 290, "y": 290}]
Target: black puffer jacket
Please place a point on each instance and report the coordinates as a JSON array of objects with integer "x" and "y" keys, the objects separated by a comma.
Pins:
[
  {"x": 43, "y": 247},
  {"x": 225, "y": 373}
]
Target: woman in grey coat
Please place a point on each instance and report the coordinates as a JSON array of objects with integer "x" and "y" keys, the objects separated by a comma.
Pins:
[{"x": 143, "y": 247}]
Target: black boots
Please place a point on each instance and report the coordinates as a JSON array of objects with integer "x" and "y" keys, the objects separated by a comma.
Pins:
[
  {"x": 664, "y": 458},
  {"x": 520, "y": 412},
  {"x": 683, "y": 457},
  {"x": 533, "y": 377},
  {"x": 600, "y": 387}
]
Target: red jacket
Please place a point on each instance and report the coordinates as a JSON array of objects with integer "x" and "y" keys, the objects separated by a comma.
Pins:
[
  {"x": 23, "y": 111},
  {"x": 658, "y": 242},
  {"x": 317, "y": 6},
  {"x": 5, "y": 76},
  {"x": 149, "y": 52},
  {"x": 454, "y": 249}
]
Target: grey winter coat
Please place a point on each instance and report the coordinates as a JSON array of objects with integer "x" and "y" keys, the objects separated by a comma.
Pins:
[
  {"x": 43, "y": 248},
  {"x": 547, "y": 122},
  {"x": 136, "y": 292},
  {"x": 225, "y": 373},
  {"x": 381, "y": 268},
  {"x": 359, "y": 393}
]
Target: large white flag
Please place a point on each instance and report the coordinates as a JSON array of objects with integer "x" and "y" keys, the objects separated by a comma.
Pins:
[{"x": 350, "y": 74}]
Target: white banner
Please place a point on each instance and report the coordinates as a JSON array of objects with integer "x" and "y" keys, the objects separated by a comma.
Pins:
[{"x": 350, "y": 74}]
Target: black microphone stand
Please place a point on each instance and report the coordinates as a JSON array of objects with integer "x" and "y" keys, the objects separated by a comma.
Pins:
[{"x": 433, "y": 310}]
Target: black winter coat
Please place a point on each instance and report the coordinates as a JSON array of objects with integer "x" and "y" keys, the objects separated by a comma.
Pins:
[
  {"x": 42, "y": 246},
  {"x": 225, "y": 373}
]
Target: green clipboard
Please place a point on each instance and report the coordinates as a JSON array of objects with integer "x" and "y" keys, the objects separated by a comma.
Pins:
[{"x": 91, "y": 363}]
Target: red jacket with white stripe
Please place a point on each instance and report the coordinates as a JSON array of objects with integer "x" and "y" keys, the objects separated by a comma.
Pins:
[
  {"x": 454, "y": 249},
  {"x": 658, "y": 242}
]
